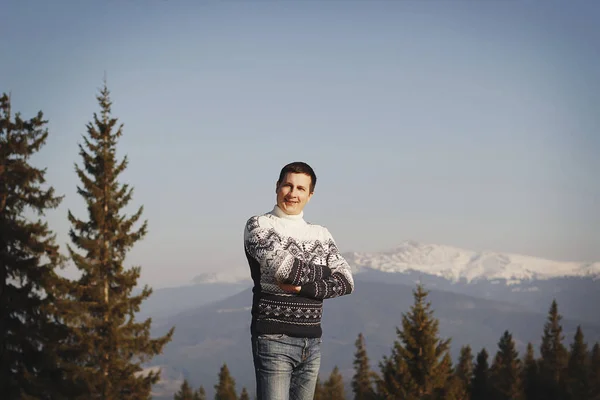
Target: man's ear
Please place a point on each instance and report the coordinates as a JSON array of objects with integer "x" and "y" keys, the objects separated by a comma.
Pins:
[{"x": 276, "y": 186}]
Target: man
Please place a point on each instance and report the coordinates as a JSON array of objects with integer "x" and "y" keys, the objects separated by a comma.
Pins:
[{"x": 295, "y": 265}]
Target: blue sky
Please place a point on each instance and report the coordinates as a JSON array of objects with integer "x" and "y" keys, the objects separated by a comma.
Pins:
[{"x": 473, "y": 124}]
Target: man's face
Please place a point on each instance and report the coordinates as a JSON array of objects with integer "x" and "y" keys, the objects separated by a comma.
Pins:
[{"x": 293, "y": 192}]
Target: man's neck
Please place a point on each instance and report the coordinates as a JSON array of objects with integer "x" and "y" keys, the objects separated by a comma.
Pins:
[{"x": 277, "y": 211}]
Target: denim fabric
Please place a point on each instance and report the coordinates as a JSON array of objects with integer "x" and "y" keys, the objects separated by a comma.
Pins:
[{"x": 286, "y": 367}]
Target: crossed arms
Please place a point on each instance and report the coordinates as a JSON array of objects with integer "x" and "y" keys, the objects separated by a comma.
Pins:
[{"x": 291, "y": 272}]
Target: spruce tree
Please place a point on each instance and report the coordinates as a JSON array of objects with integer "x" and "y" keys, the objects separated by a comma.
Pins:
[
  {"x": 418, "y": 367},
  {"x": 530, "y": 375},
  {"x": 452, "y": 388},
  {"x": 394, "y": 382},
  {"x": 244, "y": 395},
  {"x": 362, "y": 381},
  {"x": 554, "y": 357},
  {"x": 459, "y": 385},
  {"x": 319, "y": 390},
  {"x": 107, "y": 344},
  {"x": 480, "y": 385},
  {"x": 200, "y": 394},
  {"x": 29, "y": 259},
  {"x": 505, "y": 373},
  {"x": 578, "y": 370},
  {"x": 595, "y": 373},
  {"x": 185, "y": 392},
  {"x": 225, "y": 388},
  {"x": 333, "y": 388},
  {"x": 464, "y": 370}
]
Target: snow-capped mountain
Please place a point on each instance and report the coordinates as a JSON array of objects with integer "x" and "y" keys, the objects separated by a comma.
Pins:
[
  {"x": 530, "y": 282},
  {"x": 450, "y": 263},
  {"x": 456, "y": 264}
]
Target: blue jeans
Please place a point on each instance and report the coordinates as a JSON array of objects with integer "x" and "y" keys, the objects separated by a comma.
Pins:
[{"x": 286, "y": 367}]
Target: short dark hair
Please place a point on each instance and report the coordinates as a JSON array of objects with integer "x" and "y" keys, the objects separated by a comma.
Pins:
[{"x": 299, "y": 167}]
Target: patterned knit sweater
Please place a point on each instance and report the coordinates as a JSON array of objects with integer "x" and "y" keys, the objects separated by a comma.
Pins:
[{"x": 285, "y": 248}]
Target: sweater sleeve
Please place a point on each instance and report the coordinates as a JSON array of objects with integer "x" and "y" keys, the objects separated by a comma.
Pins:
[
  {"x": 340, "y": 283},
  {"x": 264, "y": 244}
]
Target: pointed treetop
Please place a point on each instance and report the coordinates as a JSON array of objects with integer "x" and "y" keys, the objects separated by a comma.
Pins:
[{"x": 105, "y": 102}]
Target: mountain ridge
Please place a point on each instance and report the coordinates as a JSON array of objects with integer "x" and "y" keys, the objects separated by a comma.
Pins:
[
  {"x": 456, "y": 264},
  {"x": 449, "y": 262}
]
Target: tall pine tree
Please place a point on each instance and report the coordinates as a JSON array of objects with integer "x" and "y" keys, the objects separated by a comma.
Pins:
[
  {"x": 225, "y": 388},
  {"x": 108, "y": 344},
  {"x": 595, "y": 372},
  {"x": 319, "y": 390},
  {"x": 464, "y": 369},
  {"x": 505, "y": 373},
  {"x": 200, "y": 394},
  {"x": 530, "y": 375},
  {"x": 419, "y": 365},
  {"x": 185, "y": 392},
  {"x": 29, "y": 259},
  {"x": 459, "y": 385},
  {"x": 578, "y": 370},
  {"x": 362, "y": 381},
  {"x": 333, "y": 389},
  {"x": 554, "y": 357},
  {"x": 244, "y": 395},
  {"x": 480, "y": 385}
]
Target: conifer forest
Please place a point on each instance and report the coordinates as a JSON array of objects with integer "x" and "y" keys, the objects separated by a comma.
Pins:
[{"x": 81, "y": 338}]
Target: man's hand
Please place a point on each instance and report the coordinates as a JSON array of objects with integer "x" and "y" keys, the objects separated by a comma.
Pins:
[{"x": 289, "y": 288}]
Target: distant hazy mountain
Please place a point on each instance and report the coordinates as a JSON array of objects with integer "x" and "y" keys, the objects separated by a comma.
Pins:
[
  {"x": 577, "y": 296},
  {"x": 170, "y": 301},
  {"x": 455, "y": 264},
  {"x": 530, "y": 282},
  {"x": 207, "y": 336},
  {"x": 238, "y": 275}
]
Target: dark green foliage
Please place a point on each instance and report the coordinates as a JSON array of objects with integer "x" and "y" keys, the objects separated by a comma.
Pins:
[
  {"x": 464, "y": 370},
  {"x": 362, "y": 381},
  {"x": 419, "y": 365},
  {"x": 554, "y": 358},
  {"x": 480, "y": 385},
  {"x": 505, "y": 373},
  {"x": 530, "y": 375},
  {"x": 333, "y": 389},
  {"x": 394, "y": 380},
  {"x": 108, "y": 345},
  {"x": 200, "y": 394},
  {"x": 319, "y": 390},
  {"x": 185, "y": 392},
  {"x": 595, "y": 372},
  {"x": 578, "y": 370},
  {"x": 244, "y": 395},
  {"x": 225, "y": 388},
  {"x": 458, "y": 386},
  {"x": 29, "y": 259}
]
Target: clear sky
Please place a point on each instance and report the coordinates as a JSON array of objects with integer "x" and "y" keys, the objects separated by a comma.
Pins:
[{"x": 467, "y": 123}]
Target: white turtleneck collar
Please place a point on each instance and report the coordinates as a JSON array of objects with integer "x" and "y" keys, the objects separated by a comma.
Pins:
[{"x": 278, "y": 212}]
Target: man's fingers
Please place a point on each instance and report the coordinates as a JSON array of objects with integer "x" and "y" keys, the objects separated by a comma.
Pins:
[{"x": 289, "y": 288}]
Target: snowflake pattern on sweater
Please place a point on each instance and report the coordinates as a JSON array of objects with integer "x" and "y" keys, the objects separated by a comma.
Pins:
[{"x": 287, "y": 249}]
